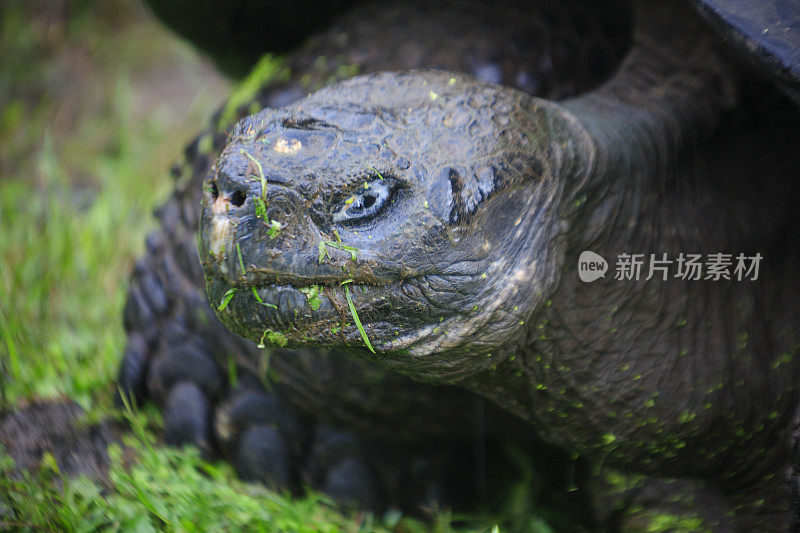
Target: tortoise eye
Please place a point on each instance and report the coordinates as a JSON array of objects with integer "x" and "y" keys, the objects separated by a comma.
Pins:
[{"x": 365, "y": 202}]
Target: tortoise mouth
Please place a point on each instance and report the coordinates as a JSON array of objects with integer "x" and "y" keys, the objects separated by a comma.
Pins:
[
  {"x": 309, "y": 312},
  {"x": 304, "y": 312},
  {"x": 291, "y": 303}
]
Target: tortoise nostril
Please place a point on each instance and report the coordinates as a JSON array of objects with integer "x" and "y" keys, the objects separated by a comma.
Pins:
[{"x": 237, "y": 198}]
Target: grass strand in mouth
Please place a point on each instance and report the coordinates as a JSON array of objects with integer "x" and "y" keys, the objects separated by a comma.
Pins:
[
  {"x": 355, "y": 315},
  {"x": 259, "y": 300}
]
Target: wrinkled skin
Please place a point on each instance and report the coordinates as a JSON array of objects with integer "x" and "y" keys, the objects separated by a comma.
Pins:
[
  {"x": 403, "y": 188},
  {"x": 478, "y": 200}
]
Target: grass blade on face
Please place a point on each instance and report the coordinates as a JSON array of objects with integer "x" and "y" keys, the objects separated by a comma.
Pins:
[
  {"x": 239, "y": 253},
  {"x": 261, "y": 209},
  {"x": 259, "y": 300},
  {"x": 261, "y": 176},
  {"x": 252, "y": 289},
  {"x": 323, "y": 251},
  {"x": 355, "y": 315},
  {"x": 324, "y": 245},
  {"x": 274, "y": 228},
  {"x": 312, "y": 296},
  {"x": 275, "y": 337},
  {"x": 227, "y": 298}
]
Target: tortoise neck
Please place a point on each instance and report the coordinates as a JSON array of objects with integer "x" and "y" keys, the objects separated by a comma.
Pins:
[
  {"x": 658, "y": 375},
  {"x": 669, "y": 93}
]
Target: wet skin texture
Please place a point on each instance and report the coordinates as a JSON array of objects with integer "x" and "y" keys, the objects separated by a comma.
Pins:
[
  {"x": 398, "y": 167},
  {"x": 466, "y": 204}
]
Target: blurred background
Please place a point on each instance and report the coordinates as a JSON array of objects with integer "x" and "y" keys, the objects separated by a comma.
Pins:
[{"x": 96, "y": 100}]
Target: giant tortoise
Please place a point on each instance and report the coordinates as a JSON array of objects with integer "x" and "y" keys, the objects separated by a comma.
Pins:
[{"x": 583, "y": 212}]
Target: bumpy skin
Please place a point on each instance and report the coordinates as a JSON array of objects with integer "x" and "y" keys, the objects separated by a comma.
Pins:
[
  {"x": 478, "y": 200},
  {"x": 346, "y": 426}
]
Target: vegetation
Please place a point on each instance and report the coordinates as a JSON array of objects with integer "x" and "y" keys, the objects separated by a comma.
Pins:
[
  {"x": 162, "y": 489},
  {"x": 86, "y": 139}
]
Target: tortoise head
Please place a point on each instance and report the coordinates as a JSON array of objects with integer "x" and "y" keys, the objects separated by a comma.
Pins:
[{"x": 415, "y": 212}]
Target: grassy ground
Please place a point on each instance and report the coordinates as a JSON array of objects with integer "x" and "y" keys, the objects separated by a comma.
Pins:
[{"x": 96, "y": 101}]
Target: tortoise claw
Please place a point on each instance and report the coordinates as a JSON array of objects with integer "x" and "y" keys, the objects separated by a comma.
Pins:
[{"x": 133, "y": 370}]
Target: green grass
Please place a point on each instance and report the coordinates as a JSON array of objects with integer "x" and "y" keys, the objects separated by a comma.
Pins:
[
  {"x": 174, "y": 490},
  {"x": 85, "y": 143},
  {"x": 356, "y": 319},
  {"x": 167, "y": 489}
]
